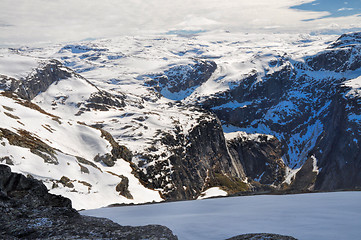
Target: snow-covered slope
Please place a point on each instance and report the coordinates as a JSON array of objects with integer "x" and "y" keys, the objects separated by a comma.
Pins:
[{"x": 71, "y": 158}]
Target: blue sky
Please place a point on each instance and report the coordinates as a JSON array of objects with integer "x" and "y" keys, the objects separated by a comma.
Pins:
[{"x": 333, "y": 8}]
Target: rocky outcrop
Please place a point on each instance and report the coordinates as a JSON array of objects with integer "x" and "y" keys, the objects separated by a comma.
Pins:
[
  {"x": 261, "y": 157},
  {"x": 25, "y": 139},
  {"x": 342, "y": 55},
  {"x": 262, "y": 236},
  {"x": 28, "y": 211},
  {"x": 306, "y": 177},
  {"x": 122, "y": 187},
  {"x": 204, "y": 159},
  {"x": 39, "y": 80},
  {"x": 197, "y": 161},
  {"x": 182, "y": 78},
  {"x": 338, "y": 60},
  {"x": 103, "y": 100}
]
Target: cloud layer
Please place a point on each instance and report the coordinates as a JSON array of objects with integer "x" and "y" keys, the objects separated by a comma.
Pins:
[{"x": 24, "y": 22}]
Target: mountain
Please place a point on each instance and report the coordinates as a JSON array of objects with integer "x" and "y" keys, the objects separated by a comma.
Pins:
[
  {"x": 134, "y": 120},
  {"x": 311, "y": 106}
]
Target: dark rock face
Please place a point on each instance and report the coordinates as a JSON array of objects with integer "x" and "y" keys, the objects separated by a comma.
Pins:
[
  {"x": 306, "y": 177},
  {"x": 183, "y": 78},
  {"x": 338, "y": 148},
  {"x": 28, "y": 191},
  {"x": 262, "y": 236},
  {"x": 253, "y": 96},
  {"x": 340, "y": 60},
  {"x": 103, "y": 100},
  {"x": 308, "y": 107},
  {"x": 205, "y": 155},
  {"x": 28, "y": 211},
  {"x": 118, "y": 151},
  {"x": 39, "y": 81},
  {"x": 198, "y": 160},
  {"x": 342, "y": 55},
  {"x": 349, "y": 39},
  {"x": 261, "y": 158},
  {"x": 122, "y": 187}
]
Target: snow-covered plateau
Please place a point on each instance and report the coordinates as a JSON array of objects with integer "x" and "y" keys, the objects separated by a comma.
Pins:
[{"x": 331, "y": 216}]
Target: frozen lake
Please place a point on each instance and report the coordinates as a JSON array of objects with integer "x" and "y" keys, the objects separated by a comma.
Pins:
[{"x": 303, "y": 216}]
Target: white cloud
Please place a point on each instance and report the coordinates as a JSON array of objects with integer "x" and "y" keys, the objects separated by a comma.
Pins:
[{"x": 42, "y": 21}]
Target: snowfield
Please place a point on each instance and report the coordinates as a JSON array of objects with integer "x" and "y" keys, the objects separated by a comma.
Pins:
[{"x": 304, "y": 216}]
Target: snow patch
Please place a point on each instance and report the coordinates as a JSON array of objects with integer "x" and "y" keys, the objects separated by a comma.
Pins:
[
  {"x": 212, "y": 192},
  {"x": 248, "y": 136}
]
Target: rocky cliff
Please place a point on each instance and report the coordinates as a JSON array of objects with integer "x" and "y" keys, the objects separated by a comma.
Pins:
[
  {"x": 311, "y": 108},
  {"x": 28, "y": 211}
]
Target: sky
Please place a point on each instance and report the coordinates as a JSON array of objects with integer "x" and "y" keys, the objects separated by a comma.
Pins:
[{"x": 24, "y": 22}]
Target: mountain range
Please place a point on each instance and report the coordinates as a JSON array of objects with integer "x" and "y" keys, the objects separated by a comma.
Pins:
[{"x": 148, "y": 119}]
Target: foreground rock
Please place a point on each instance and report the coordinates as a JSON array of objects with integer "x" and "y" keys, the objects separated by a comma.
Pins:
[
  {"x": 28, "y": 211},
  {"x": 261, "y": 236}
]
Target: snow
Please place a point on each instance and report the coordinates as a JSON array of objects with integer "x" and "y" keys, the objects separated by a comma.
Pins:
[
  {"x": 212, "y": 192},
  {"x": 355, "y": 87},
  {"x": 252, "y": 137},
  {"x": 69, "y": 140},
  {"x": 314, "y": 163},
  {"x": 331, "y": 216},
  {"x": 290, "y": 174},
  {"x": 15, "y": 65}
]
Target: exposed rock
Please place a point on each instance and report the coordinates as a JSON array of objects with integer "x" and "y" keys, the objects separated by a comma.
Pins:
[
  {"x": 28, "y": 211},
  {"x": 102, "y": 100},
  {"x": 342, "y": 55},
  {"x": 183, "y": 78},
  {"x": 39, "y": 81},
  {"x": 83, "y": 169},
  {"x": 107, "y": 159},
  {"x": 27, "y": 140},
  {"x": 7, "y": 160},
  {"x": 66, "y": 182},
  {"x": 118, "y": 151},
  {"x": 306, "y": 177},
  {"x": 337, "y": 150},
  {"x": 254, "y": 97},
  {"x": 198, "y": 160},
  {"x": 262, "y": 236},
  {"x": 339, "y": 60},
  {"x": 261, "y": 157},
  {"x": 28, "y": 104},
  {"x": 28, "y": 191},
  {"x": 122, "y": 187},
  {"x": 84, "y": 161}
]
